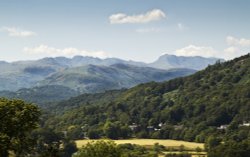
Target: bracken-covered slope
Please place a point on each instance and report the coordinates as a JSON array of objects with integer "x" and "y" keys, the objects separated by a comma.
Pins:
[{"x": 189, "y": 108}]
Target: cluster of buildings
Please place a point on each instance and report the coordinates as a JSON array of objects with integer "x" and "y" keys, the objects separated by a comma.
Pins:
[
  {"x": 224, "y": 127},
  {"x": 135, "y": 126}
]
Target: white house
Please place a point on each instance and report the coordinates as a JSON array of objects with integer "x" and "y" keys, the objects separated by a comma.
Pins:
[
  {"x": 222, "y": 127},
  {"x": 245, "y": 124}
]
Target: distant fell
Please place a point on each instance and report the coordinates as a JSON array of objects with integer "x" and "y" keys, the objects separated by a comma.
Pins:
[{"x": 171, "y": 61}]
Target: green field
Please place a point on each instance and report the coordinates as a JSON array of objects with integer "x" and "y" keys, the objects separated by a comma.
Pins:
[
  {"x": 151, "y": 142},
  {"x": 172, "y": 145}
]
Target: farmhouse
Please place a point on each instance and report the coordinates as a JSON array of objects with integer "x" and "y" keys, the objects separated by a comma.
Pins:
[
  {"x": 133, "y": 127},
  {"x": 222, "y": 127},
  {"x": 245, "y": 124}
]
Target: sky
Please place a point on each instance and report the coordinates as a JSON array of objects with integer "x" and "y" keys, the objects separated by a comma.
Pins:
[{"x": 140, "y": 30}]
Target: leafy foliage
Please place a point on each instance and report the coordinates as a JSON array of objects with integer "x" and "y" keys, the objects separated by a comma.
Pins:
[
  {"x": 17, "y": 120},
  {"x": 231, "y": 149},
  {"x": 178, "y": 155},
  {"x": 110, "y": 149},
  {"x": 52, "y": 144},
  {"x": 99, "y": 149}
]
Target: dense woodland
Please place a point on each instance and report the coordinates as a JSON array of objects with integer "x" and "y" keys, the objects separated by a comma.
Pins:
[
  {"x": 211, "y": 106},
  {"x": 189, "y": 108}
]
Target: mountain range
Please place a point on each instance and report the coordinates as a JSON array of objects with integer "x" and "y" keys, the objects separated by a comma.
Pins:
[
  {"x": 91, "y": 75},
  {"x": 96, "y": 78}
]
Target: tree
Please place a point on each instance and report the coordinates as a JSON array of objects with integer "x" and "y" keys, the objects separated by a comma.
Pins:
[
  {"x": 47, "y": 142},
  {"x": 75, "y": 132},
  {"x": 99, "y": 149},
  {"x": 178, "y": 155},
  {"x": 116, "y": 130},
  {"x": 17, "y": 120},
  {"x": 158, "y": 148},
  {"x": 212, "y": 142},
  {"x": 93, "y": 134},
  {"x": 52, "y": 144},
  {"x": 231, "y": 149},
  {"x": 69, "y": 148},
  {"x": 111, "y": 130}
]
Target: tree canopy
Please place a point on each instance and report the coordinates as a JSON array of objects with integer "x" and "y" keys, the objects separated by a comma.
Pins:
[{"x": 17, "y": 120}]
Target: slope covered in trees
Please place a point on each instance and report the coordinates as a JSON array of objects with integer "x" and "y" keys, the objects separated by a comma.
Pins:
[
  {"x": 41, "y": 95},
  {"x": 189, "y": 108}
]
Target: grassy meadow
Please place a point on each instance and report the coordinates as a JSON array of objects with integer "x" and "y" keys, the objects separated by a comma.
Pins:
[
  {"x": 151, "y": 142},
  {"x": 173, "y": 146}
]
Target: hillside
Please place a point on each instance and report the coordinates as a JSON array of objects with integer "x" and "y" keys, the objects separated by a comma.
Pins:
[
  {"x": 94, "y": 79},
  {"x": 189, "y": 108},
  {"x": 41, "y": 95}
]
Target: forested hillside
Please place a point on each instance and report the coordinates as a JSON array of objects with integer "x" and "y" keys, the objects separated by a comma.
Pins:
[
  {"x": 213, "y": 101},
  {"x": 41, "y": 95}
]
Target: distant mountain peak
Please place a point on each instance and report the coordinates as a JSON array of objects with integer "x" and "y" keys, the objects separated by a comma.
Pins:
[
  {"x": 181, "y": 56},
  {"x": 168, "y": 61}
]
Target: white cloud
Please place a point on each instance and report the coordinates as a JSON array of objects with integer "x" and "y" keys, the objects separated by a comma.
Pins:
[
  {"x": 148, "y": 30},
  {"x": 228, "y": 53},
  {"x": 17, "y": 32},
  {"x": 193, "y": 50},
  {"x": 68, "y": 52},
  {"x": 237, "y": 42},
  {"x": 122, "y": 18},
  {"x": 233, "y": 52},
  {"x": 238, "y": 47},
  {"x": 232, "y": 49}
]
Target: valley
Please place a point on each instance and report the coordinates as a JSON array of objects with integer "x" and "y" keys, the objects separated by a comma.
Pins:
[
  {"x": 131, "y": 78},
  {"x": 210, "y": 106}
]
